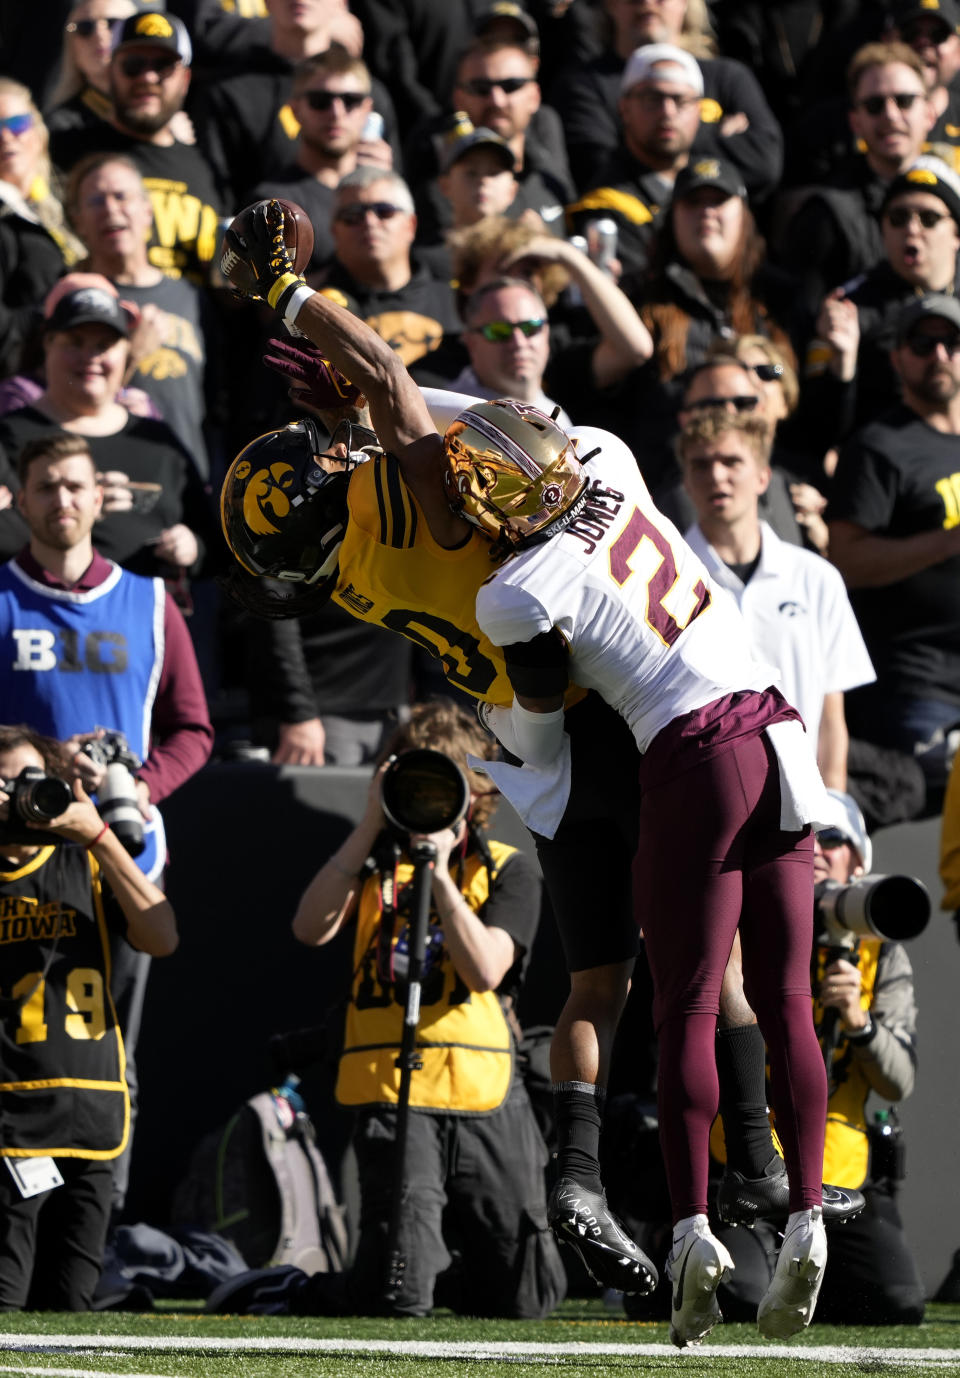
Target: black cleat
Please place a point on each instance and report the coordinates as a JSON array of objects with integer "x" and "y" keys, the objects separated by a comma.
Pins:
[
  {"x": 583, "y": 1219},
  {"x": 745, "y": 1200}
]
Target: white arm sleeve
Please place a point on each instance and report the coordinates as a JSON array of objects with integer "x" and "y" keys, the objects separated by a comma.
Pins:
[
  {"x": 444, "y": 407},
  {"x": 537, "y": 738}
]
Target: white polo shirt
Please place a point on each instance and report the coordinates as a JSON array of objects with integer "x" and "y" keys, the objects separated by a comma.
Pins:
[{"x": 800, "y": 619}]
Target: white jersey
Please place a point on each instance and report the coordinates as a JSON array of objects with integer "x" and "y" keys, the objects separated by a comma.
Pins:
[{"x": 632, "y": 601}]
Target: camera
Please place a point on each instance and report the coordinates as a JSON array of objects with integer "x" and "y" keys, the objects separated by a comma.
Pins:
[
  {"x": 35, "y": 797},
  {"x": 424, "y": 791},
  {"x": 893, "y": 907},
  {"x": 117, "y": 795}
]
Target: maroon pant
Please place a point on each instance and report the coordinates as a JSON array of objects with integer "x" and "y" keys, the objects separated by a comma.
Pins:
[{"x": 712, "y": 858}]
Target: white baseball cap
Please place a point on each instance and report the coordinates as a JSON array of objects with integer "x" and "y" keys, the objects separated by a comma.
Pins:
[
  {"x": 846, "y": 817},
  {"x": 656, "y": 60}
]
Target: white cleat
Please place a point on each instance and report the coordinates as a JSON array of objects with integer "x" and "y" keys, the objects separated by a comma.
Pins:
[
  {"x": 789, "y": 1301},
  {"x": 696, "y": 1266}
]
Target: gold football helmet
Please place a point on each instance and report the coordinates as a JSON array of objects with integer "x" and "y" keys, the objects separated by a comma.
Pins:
[{"x": 512, "y": 472}]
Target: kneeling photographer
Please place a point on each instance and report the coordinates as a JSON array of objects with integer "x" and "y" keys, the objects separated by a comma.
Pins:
[
  {"x": 866, "y": 1017},
  {"x": 67, "y": 886},
  {"x": 450, "y": 1157}
]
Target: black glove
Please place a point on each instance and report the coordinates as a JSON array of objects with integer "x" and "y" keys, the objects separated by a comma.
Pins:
[
  {"x": 313, "y": 379},
  {"x": 255, "y": 258}
]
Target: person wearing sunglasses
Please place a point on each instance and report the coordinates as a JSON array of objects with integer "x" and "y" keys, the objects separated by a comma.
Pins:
[
  {"x": 835, "y": 234},
  {"x": 659, "y": 113},
  {"x": 333, "y": 102},
  {"x": 932, "y": 29},
  {"x": 149, "y": 75},
  {"x": 373, "y": 228},
  {"x": 497, "y": 89},
  {"x": 81, "y": 96},
  {"x": 849, "y": 375},
  {"x": 36, "y": 244},
  {"x": 895, "y": 537}
]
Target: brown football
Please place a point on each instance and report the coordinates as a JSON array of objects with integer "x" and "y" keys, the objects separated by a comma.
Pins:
[{"x": 297, "y": 234}]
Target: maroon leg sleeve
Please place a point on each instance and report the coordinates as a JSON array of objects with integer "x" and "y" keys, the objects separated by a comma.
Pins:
[{"x": 711, "y": 849}]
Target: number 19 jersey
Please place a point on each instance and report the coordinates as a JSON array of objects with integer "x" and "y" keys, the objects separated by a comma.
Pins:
[{"x": 631, "y": 600}]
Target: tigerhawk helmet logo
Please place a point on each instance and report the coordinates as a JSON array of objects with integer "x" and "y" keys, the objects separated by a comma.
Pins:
[
  {"x": 265, "y": 494},
  {"x": 154, "y": 26},
  {"x": 707, "y": 167}
]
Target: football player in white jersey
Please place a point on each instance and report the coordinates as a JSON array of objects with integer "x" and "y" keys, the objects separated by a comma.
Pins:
[{"x": 601, "y": 590}]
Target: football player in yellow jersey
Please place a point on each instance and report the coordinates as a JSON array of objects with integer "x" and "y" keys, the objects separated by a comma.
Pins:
[{"x": 287, "y": 512}]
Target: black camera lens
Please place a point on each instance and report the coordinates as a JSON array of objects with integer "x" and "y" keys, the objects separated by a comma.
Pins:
[
  {"x": 40, "y": 798},
  {"x": 423, "y": 791}
]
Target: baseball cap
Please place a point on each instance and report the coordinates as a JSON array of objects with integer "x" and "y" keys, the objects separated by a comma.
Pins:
[
  {"x": 709, "y": 172},
  {"x": 642, "y": 63},
  {"x": 463, "y": 139},
  {"x": 154, "y": 29},
  {"x": 86, "y": 299},
  {"x": 930, "y": 175},
  {"x": 934, "y": 304},
  {"x": 947, "y": 10},
  {"x": 507, "y": 9},
  {"x": 846, "y": 817}
]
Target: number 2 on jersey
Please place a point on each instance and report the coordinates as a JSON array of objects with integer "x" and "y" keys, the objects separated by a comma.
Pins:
[{"x": 653, "y": 560}]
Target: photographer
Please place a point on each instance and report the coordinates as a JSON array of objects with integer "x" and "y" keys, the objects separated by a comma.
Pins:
[
  {"x": 865, "y": 1009},
  {"x": 63, "y": 1093},
  {"x": 474, "y": 1164}
]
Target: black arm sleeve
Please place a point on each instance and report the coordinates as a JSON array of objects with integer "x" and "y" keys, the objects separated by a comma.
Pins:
[{"x": 538, "y": 668}]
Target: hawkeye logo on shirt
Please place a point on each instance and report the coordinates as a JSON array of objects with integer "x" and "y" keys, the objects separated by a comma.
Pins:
[
  {"x": 949, "y": 490},
  {"x": 22, "y": 920},
  {"x": 184, "y": 228}
]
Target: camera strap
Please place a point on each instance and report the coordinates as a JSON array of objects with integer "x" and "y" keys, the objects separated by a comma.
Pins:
[{"x": 385, "y": 856}]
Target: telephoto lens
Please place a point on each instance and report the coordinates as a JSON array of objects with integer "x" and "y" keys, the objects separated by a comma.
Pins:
[
  {"x": 423, "y": 791},
  {"x": 117, "y": 805}
]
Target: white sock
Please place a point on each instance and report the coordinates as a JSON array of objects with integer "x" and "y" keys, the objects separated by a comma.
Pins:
[{"x": 684, "y": 1226}]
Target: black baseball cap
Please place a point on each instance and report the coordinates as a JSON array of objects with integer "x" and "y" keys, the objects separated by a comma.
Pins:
[
  {"x": 947, "y": 10},
  {"x": 929, "y": 175},
  {"x": 85, "y": 299},
  {"x": 709, "y": 172},
  {"x": 154, "y": 29},
  {"x": 936, "y": 304},
  {"x": 508, "y": 9},
  {"x": 463, "y": 140}
]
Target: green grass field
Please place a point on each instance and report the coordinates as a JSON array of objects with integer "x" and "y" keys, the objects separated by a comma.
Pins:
[{"x": 581, "y": 1338}]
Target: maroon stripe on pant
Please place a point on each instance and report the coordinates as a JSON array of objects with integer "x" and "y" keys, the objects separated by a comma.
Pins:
[{"x": 711, "y": 857}]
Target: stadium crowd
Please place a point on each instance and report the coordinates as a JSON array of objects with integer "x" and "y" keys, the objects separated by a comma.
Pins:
[{"x": 725, "y": 232}]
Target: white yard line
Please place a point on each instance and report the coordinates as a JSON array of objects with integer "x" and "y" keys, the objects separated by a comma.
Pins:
[{"x": 453, "y": 1349}]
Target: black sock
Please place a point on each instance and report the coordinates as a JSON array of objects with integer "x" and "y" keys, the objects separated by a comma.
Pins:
[
  {"x": 741, "y": 1059},
  {"x": 578, "y": 1107}
]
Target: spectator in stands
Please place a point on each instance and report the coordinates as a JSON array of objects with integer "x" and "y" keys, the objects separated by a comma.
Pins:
[
  {"x": 35, "y": 243},
  {"x": 836, "y": 231},
  {"x": 155, "y": 511},
  {"x": 149, "y": 81},
  {"x": 849, "y": 377},
  {"x": 247, "y": 123},
  {"x": 660, "y": 96},
  {"x": 111, "y": 211},
  {"x": 496, "y": 88},
  {"x": 794, "y": 602},
  {"x": 507, "y": 336},
  {"x": 708, "y": 280},
  {"x": 736, "y": 122},
  {"x": 81, "y": 97},
  {"x": 895, "y": 537},
  {"x": 373, "y": 227},
  {"x": 493, "y": 248},
  {"x": 932, "y": 29},
  {"x": 331, "y": 100}
]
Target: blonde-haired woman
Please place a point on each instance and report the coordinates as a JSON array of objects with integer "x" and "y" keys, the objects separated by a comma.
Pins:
[
  {"x": 82, "y": 93},
  {"x": 36, "y": 245}
]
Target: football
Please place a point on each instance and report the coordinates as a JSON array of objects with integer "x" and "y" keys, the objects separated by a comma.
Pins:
[{"x": 297, "y": 234}]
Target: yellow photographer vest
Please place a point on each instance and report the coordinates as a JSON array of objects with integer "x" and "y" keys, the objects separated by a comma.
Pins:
[
  {"x": 846, "y": 1153},
  {"x": 463, "y": 1037}
]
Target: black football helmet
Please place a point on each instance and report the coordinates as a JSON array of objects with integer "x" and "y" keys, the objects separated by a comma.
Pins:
[{"x": 284, "y": 514}]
